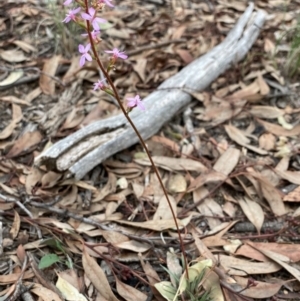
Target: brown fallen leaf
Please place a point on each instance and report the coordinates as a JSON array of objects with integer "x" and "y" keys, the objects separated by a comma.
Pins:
[
  {"x": 25, "y": 143},
  {"x": 291, "y": 176},
  {"x": 280, "y": 260},
  {"x": 96, "y": 275},
  {"x": 12, "y": 78},
  {"x": 269, "y": 46},
  {"x": 202, "y": 248},
  {"x": 246, "y": 93},
  {"x": 152, "y": 277},
  {"x": 24, "y": 46},
  {"x": 134, "y": 246},
  {"x": 71, "y": 276},
  {"x": 270, "y": 193},
  {"x": 253, "y": 211},
  {"x": 129, "y": 293},
  {"x": 15, "y": 227},
  {"x": 8, "y": 130},
  {"x": 12, "y": 278},
  {"x": 207, "y": 177},
  {"x": 140, "y": 68},
  {"x": 47, "y": 84},
  {"x": 156, "y": 225},
  {"x": 45, "y": 293},
  {"x": 173, "y": 164},
  {"x": 278, "y": 130},
  {"x": 177, "y": 183},
  {"x": 240, "y": 138},
  {"x": 267, "y": 141},
  {"x": 16, "y": 118},
  {"x": 267, "y": 112},
  {"x": 14, "y": 99},
  {"x": 13, "y": 56},
  {"x": 264, "y": 88},
  {"x": 227, "y": 161},
  {"x": 292, "y": 251},
  {"x": 242, "y": 267},
  {"x": 261, "y": 289},
  {"x": 163, "y": 211},
  {"x": 293, "y": 196}
]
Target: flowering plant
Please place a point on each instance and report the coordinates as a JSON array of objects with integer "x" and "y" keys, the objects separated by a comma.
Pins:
[
  {"x": 85, "y": 14},
  {"x": 90, "y": 21}
]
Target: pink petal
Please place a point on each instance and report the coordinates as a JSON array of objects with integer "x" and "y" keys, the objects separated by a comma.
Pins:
[
  {"x": 141, "y": 106},
  {"x": 68, "y": 2},
  {"x": 88, "y": 57},
  {"x": 81, "y": 48},
  {"x": 67, "y": 19},
  {"x": 85, "y": 16},
  {"x": 76, "y": 11},
  {"x": 131, "y": 103},
  {"x": 82, "y": 61},
  {"x": 92, "y": 11},
  {"x": 95, "y": 25},
  {"x": 87, "y": 47},
  {"x": 109, "y": 51},
  {"x": 123, "y": 56}
]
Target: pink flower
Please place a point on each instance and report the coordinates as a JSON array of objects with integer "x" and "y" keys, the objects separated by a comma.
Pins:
[
  {"x": 99, "y": 84},
  {"x": 85, "y": 55},
  {"x": 135, "y": 102},
  {"x": 107, "y": 2},
  {"x": 94, "y": 34},
  {"x": 68, "y": 2},
  {"x": 91, "y": 16},
  {"x": 71, "y": 15},
  {"x": 117, "y": 53}
]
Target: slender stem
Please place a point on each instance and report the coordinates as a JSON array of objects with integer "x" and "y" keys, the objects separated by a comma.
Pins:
[{"x": 139, "y": 136}]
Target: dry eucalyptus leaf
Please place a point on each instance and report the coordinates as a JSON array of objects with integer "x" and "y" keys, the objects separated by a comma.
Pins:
[
  {"x": 242, "y": 267},
  {"x": 173, "y": 164},
  {"x": 129, "y": 293},
  {"x": 267, "y": 141},
  {"x": 282, "y": 261},
  {"x": 12, "y": 78},
  {"x": 13, "y": 56},
  {"x": 47, "y": 84},
  {"x": 253, "y": 211},
  {"x": 163, "y": 210},
  {"x": 227, "y": 161},
  {"x": 25, "y": 143},
  {"x": 97, "y": 276},
  {"x": 177, "y": 183},
  {"x": 68, "y": 290}
]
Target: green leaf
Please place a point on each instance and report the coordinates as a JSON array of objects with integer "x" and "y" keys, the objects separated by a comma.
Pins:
[
  {"x": 166, "y": 289},
  {"x": 48, "y": 260},
  {"x": 69, "y": 262}
]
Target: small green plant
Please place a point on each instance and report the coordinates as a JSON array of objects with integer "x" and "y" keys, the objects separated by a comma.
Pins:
[
  {"x": 293, "y": 61},
  {"x": 65, "y": 37},
  {"x": 52, "y": 258},
  {"x": 200, "y": 286}
]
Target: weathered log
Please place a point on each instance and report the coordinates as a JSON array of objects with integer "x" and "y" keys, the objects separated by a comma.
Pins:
[{"x": 78, "y": 153}]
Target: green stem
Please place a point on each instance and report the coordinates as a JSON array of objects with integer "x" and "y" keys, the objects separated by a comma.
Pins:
[{"x": 117, "y": 97}]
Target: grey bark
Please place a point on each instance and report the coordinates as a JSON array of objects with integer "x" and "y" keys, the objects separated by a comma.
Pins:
[{"x": 80, "y": 152}]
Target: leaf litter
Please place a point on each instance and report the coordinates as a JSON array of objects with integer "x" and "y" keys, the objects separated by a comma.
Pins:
[{"x": 112, "y": 232}]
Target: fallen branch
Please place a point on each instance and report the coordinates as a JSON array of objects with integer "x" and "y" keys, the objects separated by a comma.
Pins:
[{"x": 80, "y": 152}]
